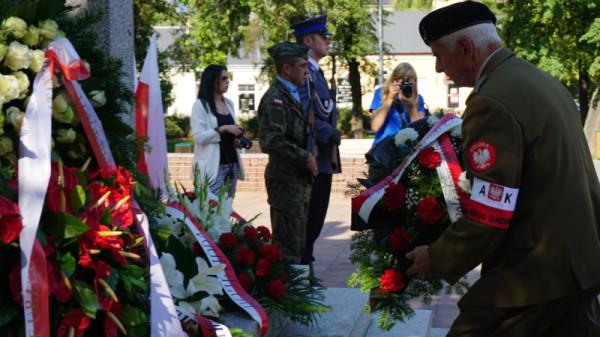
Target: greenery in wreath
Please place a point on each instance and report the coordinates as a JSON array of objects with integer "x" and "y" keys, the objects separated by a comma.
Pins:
[{"x": 412, "y": 212}]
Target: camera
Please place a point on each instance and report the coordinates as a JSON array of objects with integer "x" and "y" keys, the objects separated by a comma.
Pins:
[
  {"x": 245, "y": 142},
  {"x": 407, "y": 88}
]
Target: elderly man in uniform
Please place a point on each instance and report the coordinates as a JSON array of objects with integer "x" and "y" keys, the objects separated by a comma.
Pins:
[
  {"x": 318, "y": 99},
  {"x": 283, "y": 136},
  {"x": 533, "y": 215}
]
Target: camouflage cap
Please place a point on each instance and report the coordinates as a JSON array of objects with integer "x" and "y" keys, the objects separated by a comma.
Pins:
[{"x": 284, "y": 49}]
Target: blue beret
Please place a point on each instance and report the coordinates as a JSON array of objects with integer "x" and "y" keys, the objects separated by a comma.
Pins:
[
  {"x": 449, "y": 19},
  {"x": 317, "y": 24},
  {"x": 284, "y": 49}
]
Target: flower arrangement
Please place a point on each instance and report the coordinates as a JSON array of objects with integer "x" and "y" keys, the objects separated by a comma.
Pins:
[
  {"x": 258, "y": 264},
  {"x": 413, "y": 211}
]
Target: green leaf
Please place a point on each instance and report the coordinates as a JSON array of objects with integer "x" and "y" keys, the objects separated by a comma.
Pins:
[
  {"x": 86, "y": 297},
  {"x": 134, "y": 320},
  {"x": 67, "y": 264},
  {"x": 77, "y": 198},
  {"x": 106, "y": 218},
  {"x": 66, "y": 226},
  {"x": 133, "y": 280}
]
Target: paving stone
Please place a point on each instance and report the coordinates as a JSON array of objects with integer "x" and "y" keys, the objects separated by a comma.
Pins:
[{"x": 418, "y": 326}]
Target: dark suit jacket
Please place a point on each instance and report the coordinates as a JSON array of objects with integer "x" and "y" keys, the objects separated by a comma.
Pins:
[{"x": 533, "y": 217}]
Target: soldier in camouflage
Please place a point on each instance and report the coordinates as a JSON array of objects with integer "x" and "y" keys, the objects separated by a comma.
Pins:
[{"x": 283, "y": 136}]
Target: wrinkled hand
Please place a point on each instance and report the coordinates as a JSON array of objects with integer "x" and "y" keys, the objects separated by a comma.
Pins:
[
  {"x": 311, "y": 163},
  {"x": 336, "y": 137},
  {"x": 421, "y": 267}
]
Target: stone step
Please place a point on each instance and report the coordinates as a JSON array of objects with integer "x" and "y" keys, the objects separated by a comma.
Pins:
[
  {"x": 438, "y": 332},
  {"x": 418, "y": 326},
  {"x": 346, "y": 319}
]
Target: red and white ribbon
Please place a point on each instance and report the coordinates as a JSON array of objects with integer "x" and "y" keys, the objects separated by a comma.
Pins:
[
  {"x": 34, "y": 175},
  {"x": 448, "y": 171},
  {"x": 227, "y": 277},
  {"x": 62, "y": 54},
  {"x": 164, "y": 321},
  {"x": 364, "y": 203}
]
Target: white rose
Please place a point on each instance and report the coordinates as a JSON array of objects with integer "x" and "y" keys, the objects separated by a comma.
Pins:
[
  {"x": 3, "y": 51},
  {"x": 98, "y": 98},
  {"x": 23, "y": 83},
  {"x": 464, "y": 183},
  {"x": 14, "y": 116},
  {"x": 65, "y": 136},
  {"x": 9, "y": 88},
  {"x": 456, "y": 131},
  {"x": 88, "y": 66},
  {"x": 17, "y": 26},
  {"x": 32, "y": 37},
  {"x": 49, "y": 29},
  {"x": 405, "y": 135},
  {"x": 61, "y": 108},
  {"x": 37, "y": 60},
  {"x": 18, "y": 56}
]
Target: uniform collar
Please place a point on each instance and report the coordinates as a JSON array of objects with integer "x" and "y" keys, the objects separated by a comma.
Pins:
[
  {"x": 289, "y": 88},
  {"x": 491, "y": 62}
]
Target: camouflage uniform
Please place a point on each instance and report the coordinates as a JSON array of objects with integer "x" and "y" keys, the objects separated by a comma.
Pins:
[{"x": 282, "y": 134}]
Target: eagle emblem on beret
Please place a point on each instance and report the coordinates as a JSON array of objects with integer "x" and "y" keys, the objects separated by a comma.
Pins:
[{"x": 482, "y": 156}]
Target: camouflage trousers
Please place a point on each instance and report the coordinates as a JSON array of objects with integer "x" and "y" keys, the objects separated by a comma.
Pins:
[{"x": 289, "y": 214}]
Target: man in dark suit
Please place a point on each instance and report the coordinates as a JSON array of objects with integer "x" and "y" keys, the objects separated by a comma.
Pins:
[
  {"x": 316, "y": 96},
  {"x": 533, "y": 215}
]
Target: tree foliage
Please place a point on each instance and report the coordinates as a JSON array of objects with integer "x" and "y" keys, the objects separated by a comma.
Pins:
[
  {"x": 412, "y": 5},
  {"x": 561, "y": 37}
]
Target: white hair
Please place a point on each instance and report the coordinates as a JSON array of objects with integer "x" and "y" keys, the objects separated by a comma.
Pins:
[{"x": 481, "y": 34}]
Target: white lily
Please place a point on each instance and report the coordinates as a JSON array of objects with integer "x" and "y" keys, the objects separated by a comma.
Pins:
[
  {"x": 405, "y": 135},
  {"x": 174, "y": 276},
  {"x": 205, "y": 280},
  {"x": 210, "y": 306}
]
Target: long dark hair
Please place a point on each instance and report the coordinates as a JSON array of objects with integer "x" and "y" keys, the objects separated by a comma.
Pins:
[{"x": 208, "y": 84}]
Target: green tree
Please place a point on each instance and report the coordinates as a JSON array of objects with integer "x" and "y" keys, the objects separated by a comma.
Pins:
[
  {"x": 412, "y": 4},
  {"x": 561, "y": 37}
]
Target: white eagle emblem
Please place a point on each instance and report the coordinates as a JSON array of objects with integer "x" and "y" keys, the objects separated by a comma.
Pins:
[{"x": 482, "y": 156}]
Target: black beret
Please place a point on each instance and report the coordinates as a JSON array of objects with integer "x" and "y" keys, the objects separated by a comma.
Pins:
[
  {"x": 450, "y": 19},
  {"x": 284, "y": 49}
]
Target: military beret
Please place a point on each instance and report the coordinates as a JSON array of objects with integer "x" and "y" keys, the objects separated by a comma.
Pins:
[
  {"x": 317, "y": 24},
  {"x": 284, "y": 49},
  {"x": 449, "y": 19}
]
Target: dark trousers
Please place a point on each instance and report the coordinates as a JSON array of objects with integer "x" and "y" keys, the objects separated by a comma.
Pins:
[
  {"x": 317, "y": 210},
  {"x": 577, "y": 315}
]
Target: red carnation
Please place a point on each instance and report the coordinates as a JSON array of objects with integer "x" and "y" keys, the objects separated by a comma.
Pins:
[
  {"x": 429, "y": 158},
  {"x": 250, "y": 234},
  {"x": 276, "y": 289},
  {"x": 245, "y": 281},
  {"x": 245, "y": 256},
  {"x": 263, "y": 268},
  {"x": 394, "y": 197},
  {"x": 399, "y": 240},
  {"x": 430, "y": 211},
  {"x": 10, "y": 220},
  {"x": 228, "y": 241},
  {"x": 391, "y": 281},
  {"x": 271, "y": 252},
  {"x": 264, "y": 233}
]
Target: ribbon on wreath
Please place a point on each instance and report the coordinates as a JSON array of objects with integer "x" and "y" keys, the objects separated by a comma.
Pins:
[
  {"x": 34, "y": 175},
  {"x": 227, "y": 277},
  {"x": 364, "y": 203}
]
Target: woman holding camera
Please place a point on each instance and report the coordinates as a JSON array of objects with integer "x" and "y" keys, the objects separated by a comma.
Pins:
[
  {"x": 399, "y": 105},
  {"x": 216, "y": 136}
]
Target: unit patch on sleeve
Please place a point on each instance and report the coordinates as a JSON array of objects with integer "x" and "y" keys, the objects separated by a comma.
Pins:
[
  {"x": 482, "y": 156},
  {"x": 491, "y": 204}
]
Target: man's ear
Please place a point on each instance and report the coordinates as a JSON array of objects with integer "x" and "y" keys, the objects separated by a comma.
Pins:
[
  {"x": 465, "y": 46},
  {"x": 285, "y": 68},
  {"x": 307, "y": 39}
]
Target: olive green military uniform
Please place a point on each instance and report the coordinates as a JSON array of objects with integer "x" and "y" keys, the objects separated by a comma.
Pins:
[
  {"x": 282, "y": 135},
  {"x": 533, "y": 215}
]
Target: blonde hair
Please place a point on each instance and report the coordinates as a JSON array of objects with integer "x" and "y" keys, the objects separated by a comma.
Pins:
[{"x": 402, "y": 71}]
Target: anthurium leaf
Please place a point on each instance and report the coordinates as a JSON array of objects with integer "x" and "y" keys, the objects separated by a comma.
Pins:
[
  {"x": 66, "y": 226},
  {"x": 132, "y": 279},
  {"x": 77, "y": 198},
  {"x": 86, "y": 297},
  {"x": 134, "y": 320},
  {"x": 67, "y": 264},
  {"x": 106, "y": 218}
]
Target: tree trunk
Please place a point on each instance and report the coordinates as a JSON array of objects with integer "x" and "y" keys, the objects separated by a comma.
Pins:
[
  {"x": 592, "y": 122},
  {"x": 584, "y": 89},
  {"x": 357, "y": 113}
]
